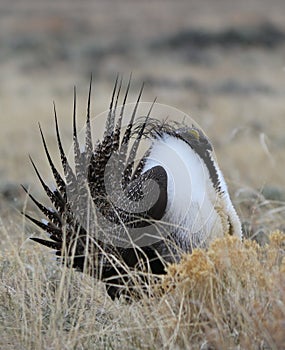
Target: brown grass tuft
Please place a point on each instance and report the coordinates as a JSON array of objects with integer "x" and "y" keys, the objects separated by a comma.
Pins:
[
  {"x": 228, "y": 297},
  {"x": 232, "y": 294}
]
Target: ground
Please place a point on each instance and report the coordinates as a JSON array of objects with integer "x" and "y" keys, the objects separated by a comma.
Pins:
[{"x": 220, "y": 62}]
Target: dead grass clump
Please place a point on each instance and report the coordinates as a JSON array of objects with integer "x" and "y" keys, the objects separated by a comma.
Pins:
[
  {"x": 229, "y": 297},
  {"x": 232, "y": 294}
]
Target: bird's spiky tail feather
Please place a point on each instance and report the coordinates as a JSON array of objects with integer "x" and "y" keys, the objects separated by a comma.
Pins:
[{"x": 74, "y": 243}]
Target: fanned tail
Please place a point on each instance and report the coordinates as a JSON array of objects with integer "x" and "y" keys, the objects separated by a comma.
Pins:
[{"x": 75, "y": 240}]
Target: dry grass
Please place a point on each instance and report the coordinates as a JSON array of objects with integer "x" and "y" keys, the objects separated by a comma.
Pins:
[{"x": 229, "y": 297}]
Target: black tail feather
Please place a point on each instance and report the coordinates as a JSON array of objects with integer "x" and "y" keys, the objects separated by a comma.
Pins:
[
  {"x": 135, "y": 146},
  {"x": 68, "y": 172},
  {"x": 56, "y": 233},
  {"x": 50, "y": 214},
  {"x": 59, "y": 181},
  {"x": 128, "y": 131},
  {"x": 54, "y": 196},
  {"x": 117, "y": 132},
  {"x": 88, "y": 136},
  {"x": 109, "y": 127},
  {"x": 51, "y": 244}
]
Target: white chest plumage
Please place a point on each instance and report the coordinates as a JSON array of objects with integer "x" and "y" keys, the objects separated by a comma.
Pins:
[{"x": 196, "y": 211}]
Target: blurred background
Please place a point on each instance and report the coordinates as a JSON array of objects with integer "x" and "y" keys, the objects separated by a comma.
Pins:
[{"x": 222, "y": 62}]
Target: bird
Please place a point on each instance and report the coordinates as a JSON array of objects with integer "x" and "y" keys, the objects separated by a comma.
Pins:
[{"x": 119, "y": 210}]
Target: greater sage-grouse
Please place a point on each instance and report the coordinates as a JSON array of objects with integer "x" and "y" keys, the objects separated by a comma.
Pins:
[{"x": 115, "y": 213}]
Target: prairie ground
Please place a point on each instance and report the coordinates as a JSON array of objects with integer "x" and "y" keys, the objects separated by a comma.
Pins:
[{"x": 222, "y": 63}]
